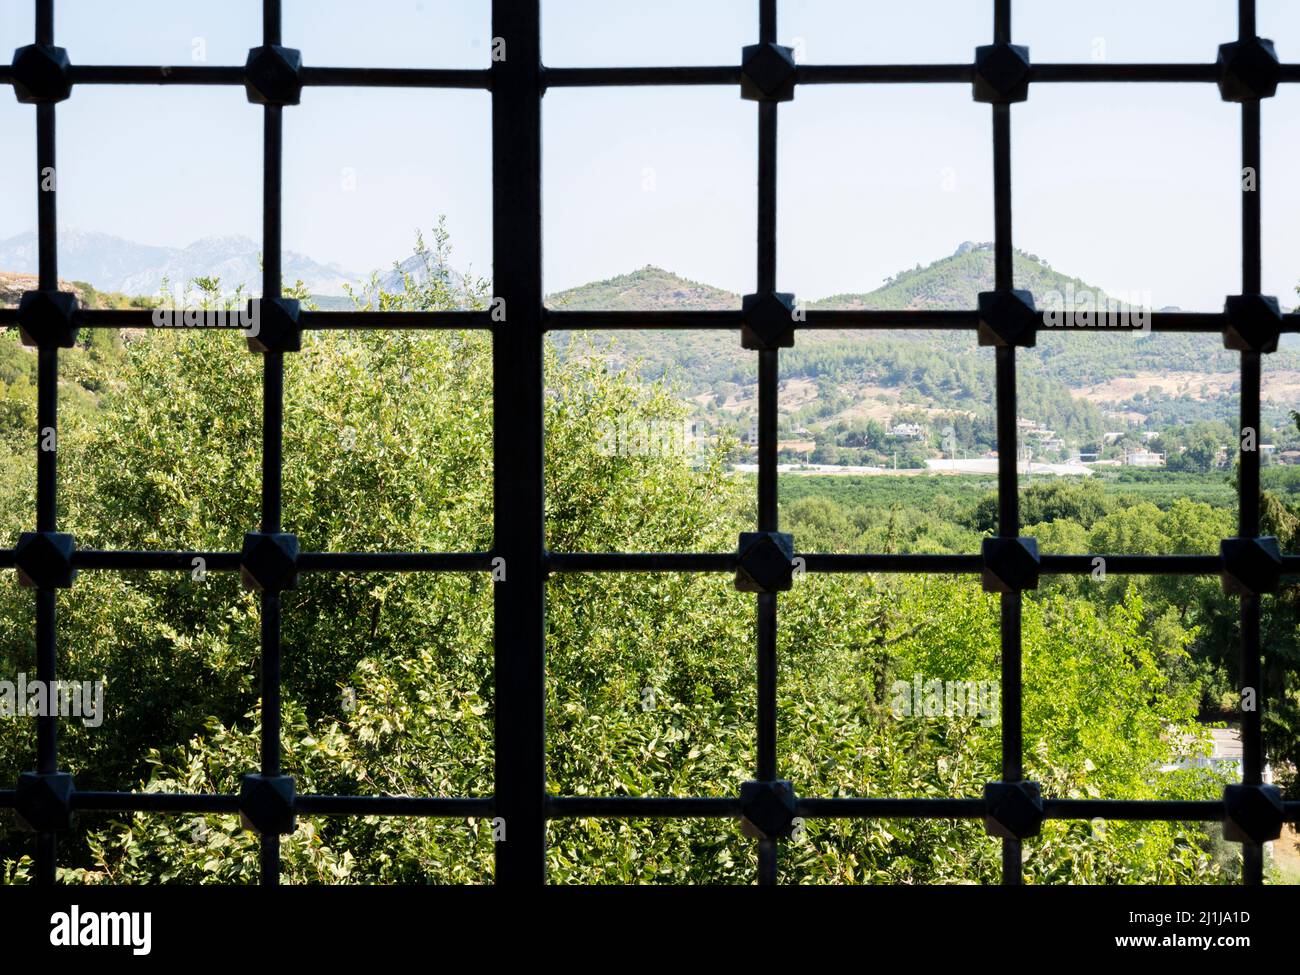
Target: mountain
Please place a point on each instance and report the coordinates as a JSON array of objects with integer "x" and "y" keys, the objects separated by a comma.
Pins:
[
  {"x": 112, "y": 263},
  {"x": 954, "y": 283},
  {"x": 649, "y": 289},
  {"x": 1075, "y": 384}
]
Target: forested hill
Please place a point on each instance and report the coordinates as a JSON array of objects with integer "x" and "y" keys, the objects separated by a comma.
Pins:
[{"x": 932, "y": 369}]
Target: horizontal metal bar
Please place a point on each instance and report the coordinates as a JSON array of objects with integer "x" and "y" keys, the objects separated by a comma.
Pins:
[
  {"x": 559, "y": 319},
  {"x": 395, "y": 561},
  {"x": 1184, "y": 565},
  {"x": 826, "y": 318},
  {"x": 632, "y": 807},
  {"x": 84, "y": 558},
  {"x": 93, "y": 559},
  {"x": 397, "y": 78},
  {"x": 105, "y": 74},
  {"x": 636, "y": 807},
  {"x": 1147, "y": 810},
  {"x": 892, "y": 563},
  {"x": 458, "y": 318},
  {"x": 836, "y": 74},
  {"x": 861, "y": 318},
  {"x": 142, "y": 74},
  {"x": 1098, "y": 71},
  {"x": 912, "y": 74},
  {"x": 666, "y": 75},
  {"x": 850, "y": 808},
  {"x": 605, "y": 77},
  {"x": 162, "y": 802},
  {"x": 311, "y": 320},
  {"x": 641, "y": 562},
  {"x": 157, "y": 802},
  {"x": 451, "y": 808}
]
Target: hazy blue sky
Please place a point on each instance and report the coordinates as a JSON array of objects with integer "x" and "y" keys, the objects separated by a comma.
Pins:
[{"x": 1131, "y": 187}]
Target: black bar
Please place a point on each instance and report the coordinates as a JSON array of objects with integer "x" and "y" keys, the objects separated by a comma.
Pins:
[
  {"x": 46, "y": 200},
  {"x": 640, "y": 562},
  {"x": 1250, "y": 199},
  {"x": 638, "y": 807},
  {"x": 396, "y": 78},
  {"x": 519, "y": 603},
  {"x": 625, "y": 77}
]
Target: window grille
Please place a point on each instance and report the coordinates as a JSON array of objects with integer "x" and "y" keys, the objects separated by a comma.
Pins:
[{"x": 1000, "y": 74}]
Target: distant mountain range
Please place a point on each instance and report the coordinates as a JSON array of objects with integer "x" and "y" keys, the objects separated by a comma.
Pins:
[
  {"x": 112, "y": 263},
  {"x": 1071, "y": 382}
]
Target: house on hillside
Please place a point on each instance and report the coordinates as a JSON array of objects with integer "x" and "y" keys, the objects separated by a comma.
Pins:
[
  {"x": 908, "y": 431},
  {"x": 1144, "y": 458}
]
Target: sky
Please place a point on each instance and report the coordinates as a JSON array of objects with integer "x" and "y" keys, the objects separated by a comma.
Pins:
[{"x": 1134, "y": 188}]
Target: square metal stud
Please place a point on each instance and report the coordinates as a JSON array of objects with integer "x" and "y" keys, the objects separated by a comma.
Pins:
[
  {"x": 1252, "y": 813},
  {"x": 41, "y": 74},
  {"x": 43, "y": 801},
  {"x": 273, "y": 75},
  {"x": 47, "y": 319},
  {"x": 1251, "y": 566},
  {"x": 1001, "y": 73},
  {"x": 44, "y": 560},
  {"x": 266, "y": 804},
  {"x": 1254, "y": 323},
  {"x": 766, "y": 562},
  {"x": 769, "y": 321},
  {"x": 269, "y": 561},
  {"x": 767, "y": 809},
  {"x": 767, "y": 73},
  {"x": 1013, "y": 810},
  {"x": 1248, "y": 70},
  {"x": 1010, "y": 564},
  {"x": 273, "y": 325},
  {"x": 1008, "y": 318}
]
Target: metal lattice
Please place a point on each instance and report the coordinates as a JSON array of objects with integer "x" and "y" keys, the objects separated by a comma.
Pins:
[{"x": 1246, "y": 71}]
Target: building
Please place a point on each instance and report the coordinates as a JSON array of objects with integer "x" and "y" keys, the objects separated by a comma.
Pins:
[{"x": 1144, "y": 458}]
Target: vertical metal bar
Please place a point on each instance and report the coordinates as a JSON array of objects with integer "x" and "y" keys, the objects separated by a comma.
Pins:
[
  {"x": 271, "y": 21},
  {"x": 1008, "y": 450},
  {"x": 47, "y": 412},
  {"x": 767, "y": 21},
  {"x": 1245, "y": 19},
  {"x": 766, "y": 197},
  {"x": 1001, "y": 21},
  {"x": 270, "y": 845},
  {"x": 1250, "y": 665},
  {"x": 1002, "y": 253},
  {"x": 1250, "y": 199},
  {"x": 768, "y": 394},
  {"x": 272, "y": 160},
  {"x": 272, "y": 438},
  {"x": 766, "y": 770},
  {"x": 768, "y": 408},
  {"x": 44, "y": 21},
  {"x": 1248, "y": 497},
  {"x": 518, "y": 475},
  {"x": 46, "y": 202}
]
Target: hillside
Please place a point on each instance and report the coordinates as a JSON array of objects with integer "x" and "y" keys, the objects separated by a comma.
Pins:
[
  {"x": 649, "y": 289},
  {"x": 837, "y": 383},
  {"x": 114, "y": 264}
]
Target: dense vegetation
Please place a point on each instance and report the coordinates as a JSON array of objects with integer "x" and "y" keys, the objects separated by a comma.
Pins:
[{"x": 389, "y": 682}]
